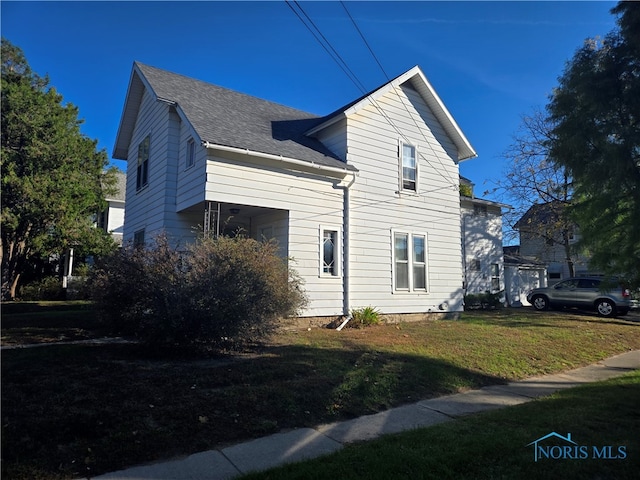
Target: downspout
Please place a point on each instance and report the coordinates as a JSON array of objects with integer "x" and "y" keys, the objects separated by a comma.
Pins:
[{"x": 346, "y": 215}]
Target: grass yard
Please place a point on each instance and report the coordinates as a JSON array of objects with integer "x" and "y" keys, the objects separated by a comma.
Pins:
[
  {"x": 74, "y": 410},
  {"x": 495, "y": 445},
  {"x": 47, "y": 322}
]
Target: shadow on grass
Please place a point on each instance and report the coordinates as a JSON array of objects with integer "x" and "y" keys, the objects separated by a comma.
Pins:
[{"x": 79, "y": 410}]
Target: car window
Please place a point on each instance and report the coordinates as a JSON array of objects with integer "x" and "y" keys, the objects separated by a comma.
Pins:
[
  {"x": 566, "y": 284},
  {"x": 588, "y": 283}
]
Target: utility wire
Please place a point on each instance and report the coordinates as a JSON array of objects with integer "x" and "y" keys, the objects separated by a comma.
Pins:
[
  {"x": 399, "y": 96},
  {"x": 365, "y": 40},
  {"x": 324, "y": 42}
]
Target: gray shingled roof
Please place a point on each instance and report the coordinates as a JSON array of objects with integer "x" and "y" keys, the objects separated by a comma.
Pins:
[{"x": 229, "y": 118}]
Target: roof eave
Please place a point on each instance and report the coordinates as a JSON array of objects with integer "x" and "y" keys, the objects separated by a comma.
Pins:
[
  {"x": 135, "y": 90},
  {"x": 428, "y": 93}
]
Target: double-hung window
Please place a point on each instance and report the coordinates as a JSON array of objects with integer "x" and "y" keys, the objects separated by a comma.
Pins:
[
  {"x": 329, "y": 252},
  {"x": 191, "y": 153},
  {"x": 142, "y": 174},
  {"x": 495, "y": 277},
  {"x": 410, "y": 262},
  {"x": 408, "y": 167}
]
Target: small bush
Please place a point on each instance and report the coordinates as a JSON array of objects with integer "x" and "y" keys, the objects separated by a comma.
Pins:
[
  {"x": 219, "y": 293},
  {"x": 483, "y": 301},
  {"x": 49, "y": 288},
  {"x": 364, "y": 317}
]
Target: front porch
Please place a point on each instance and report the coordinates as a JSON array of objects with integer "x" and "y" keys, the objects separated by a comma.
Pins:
[{"x": 260, "y": 223}]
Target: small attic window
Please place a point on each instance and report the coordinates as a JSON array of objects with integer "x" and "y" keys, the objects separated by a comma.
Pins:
[
  {"x": 142, "y": 173},
  {"x": 191, "y": 152}
]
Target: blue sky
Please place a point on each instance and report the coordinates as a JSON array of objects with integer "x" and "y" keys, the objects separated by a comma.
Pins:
[{"x": 490, "y": 62}]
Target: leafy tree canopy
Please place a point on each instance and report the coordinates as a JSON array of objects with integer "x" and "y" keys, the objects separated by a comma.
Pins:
[
  {"x": 595, "y": 113},
  {"x": 53, "y": 178}
]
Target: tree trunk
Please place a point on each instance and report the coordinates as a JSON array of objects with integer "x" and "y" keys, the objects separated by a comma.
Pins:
[{"x": 567, "y": 251}]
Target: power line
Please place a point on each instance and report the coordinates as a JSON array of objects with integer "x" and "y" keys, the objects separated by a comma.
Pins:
[
  {"x": 399, "y": 96},
  {"x": 326, "y": 45},
  {"x": 354, "y": 78},
  {"x": 365, "y": 41}
]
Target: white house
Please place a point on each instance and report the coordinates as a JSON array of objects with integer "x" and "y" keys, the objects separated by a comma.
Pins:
[
  {"x": 543, "y": 237},
  {"x": 111, "y": 219},
  {"x": 482, "y": 255},
  {"x": 521, "y": 275},
  {"x": 365, "y": 201}
]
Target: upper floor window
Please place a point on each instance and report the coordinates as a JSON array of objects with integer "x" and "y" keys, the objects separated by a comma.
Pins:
[
  {"x": 480, "y": 210},
  {"x": 410, "y": 261},
  {"x": 142, "y": 174},
  {"x": 191, "y": 152},
  {"x": 409, "y": 167}
]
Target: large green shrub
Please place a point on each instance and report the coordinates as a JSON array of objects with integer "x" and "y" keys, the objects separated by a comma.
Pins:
[{"x": 220, "y": 293}]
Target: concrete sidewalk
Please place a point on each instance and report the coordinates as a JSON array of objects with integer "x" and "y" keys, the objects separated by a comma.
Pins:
[{"x": 305, "y": 443}]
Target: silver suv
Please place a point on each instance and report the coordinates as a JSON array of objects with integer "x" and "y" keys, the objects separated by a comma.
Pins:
[{"x": 588, "y": 293}]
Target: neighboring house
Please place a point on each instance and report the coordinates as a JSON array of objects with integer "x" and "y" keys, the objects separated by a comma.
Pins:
[
  {"x": 543, "y": 236},
  {"x": 521, "y": 275},
  {"x": 482, "y": 256},
  {"x": 111, "y": 220},
  {"x": 364, "y": 201}
]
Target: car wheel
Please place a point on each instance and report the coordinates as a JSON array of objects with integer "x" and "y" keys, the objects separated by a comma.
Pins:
[
  {"x": 605, "y": 308},
  {"x": 540, "y": 302}
]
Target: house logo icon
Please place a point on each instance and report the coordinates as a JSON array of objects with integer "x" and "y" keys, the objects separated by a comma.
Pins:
[
  {"x": 554, "y": 446},
  {"x": 547, "y": 452}
]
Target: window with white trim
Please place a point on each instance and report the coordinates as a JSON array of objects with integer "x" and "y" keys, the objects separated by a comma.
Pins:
[
  {"x": 142, "y": 173},
  {"x": 409, "y": 262},
  {"x": 191, "y": 153},
  {"x": 408, "y": 167},
  {"x": 329, "y": 252},
  {"x": 495, "y": 277}
]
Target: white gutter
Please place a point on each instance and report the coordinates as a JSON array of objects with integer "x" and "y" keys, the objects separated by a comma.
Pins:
[
  {"x": 346, "y": 236},
  {"x": 291, "y": 161}
]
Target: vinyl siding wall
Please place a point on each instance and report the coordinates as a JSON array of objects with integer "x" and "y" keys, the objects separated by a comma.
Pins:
[
  {"x": 311, "y": 202},
  {"x": 482, "y": 236},
  {"x": 153, "y": 208},
  {"x": 377, "y": 208}
]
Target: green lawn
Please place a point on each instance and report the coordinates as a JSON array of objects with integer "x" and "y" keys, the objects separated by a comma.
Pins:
[
  {"x": 495, "y": 445},
  {"x": 72, "y": 410}
]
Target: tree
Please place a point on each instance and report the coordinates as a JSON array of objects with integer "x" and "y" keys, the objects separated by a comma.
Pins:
[
  {"x": 52, "y": 175},
  {"x": 538, "y": 189},
  {"x": 595, "y": 111}
]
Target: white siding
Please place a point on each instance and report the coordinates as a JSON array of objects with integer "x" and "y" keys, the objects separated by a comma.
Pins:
[
  {"x": 482, "y": 237},
  {"x": 335, "y": 139},
  {"x": 115, "y": 219},
  {"x": 311, "y": 201},
  {"x": 153, "y": 208},
  {"x": 191, "y": 180},
  {"x": 535, "y": 247},
  {"x": 377, "y": 208}
]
